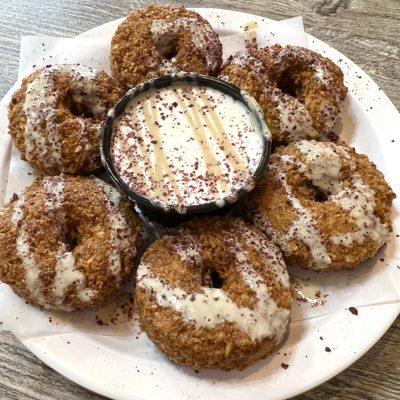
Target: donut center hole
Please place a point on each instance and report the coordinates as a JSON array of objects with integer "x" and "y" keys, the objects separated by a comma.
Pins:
[
  {"x": 71, "y": 238},
  {"x": 166, "y": 45},
  {"x": 287, "y": 85},
  {"x": 216, "y": 279},
  {"x": 318, "y": 195},
  {"x": 212, "y": 278},
  {"x": 83, "y": 104}
]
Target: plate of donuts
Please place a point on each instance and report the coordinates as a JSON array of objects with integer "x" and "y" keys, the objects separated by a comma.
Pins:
[{"x": 195, "y": 221}]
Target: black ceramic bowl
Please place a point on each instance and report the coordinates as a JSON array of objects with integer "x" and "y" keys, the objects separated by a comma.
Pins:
[{"x": 146, "y": 204}]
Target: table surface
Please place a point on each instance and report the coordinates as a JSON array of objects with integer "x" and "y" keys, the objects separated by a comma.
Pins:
[{"x": 367, "y": 31}]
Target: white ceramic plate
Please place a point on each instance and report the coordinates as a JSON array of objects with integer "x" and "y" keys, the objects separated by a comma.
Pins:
[{"x": 126, "y": 368}]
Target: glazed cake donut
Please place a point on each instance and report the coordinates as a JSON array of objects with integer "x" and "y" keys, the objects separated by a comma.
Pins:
[
  {"x": 216, "y": 294},
  {"x": 67, "y": 243},
  {"x": 160, "y": 40},
  {"x": 56, "y": 117},
  {"x": 324, "y": 205},
  {"x": 300, "y": 91}
]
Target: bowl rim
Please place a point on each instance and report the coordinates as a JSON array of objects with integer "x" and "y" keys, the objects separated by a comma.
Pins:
[{"x": 164, "y": 81}]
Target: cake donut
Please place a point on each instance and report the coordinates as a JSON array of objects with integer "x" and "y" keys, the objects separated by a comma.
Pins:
[
  {"x": 160, "y": 40},
  {"x": 300, "y": 91},
  {"x": 55, "y": 118},
  {"x": 324, "y": 205},
  {"x": 215, "y": 294},
  {"x": 67, "y": 242}
]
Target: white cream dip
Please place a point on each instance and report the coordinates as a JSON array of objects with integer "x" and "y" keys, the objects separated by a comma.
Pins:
[{"x": 186, "y": 145}]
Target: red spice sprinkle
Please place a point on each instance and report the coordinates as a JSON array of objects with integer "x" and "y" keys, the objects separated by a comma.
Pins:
[{"x": 353, "y": 310}]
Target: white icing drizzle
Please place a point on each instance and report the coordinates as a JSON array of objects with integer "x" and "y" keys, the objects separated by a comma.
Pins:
[
  {"x": 120, "y": 233},
  {"x": 323, "y": 167},
  {"x": 41, "y": 101},
  {"x": 304, "y": 229},
  {"x": 67, "y": 273},
  {"x": 54, "y": 190},
  {"x": 33, "y": 282},
  {"x": 359, "y": 202},
  {"x": 294, "y": 119},
  {"x": 39, "y": 105},
  {"x": 203, "y": 39},
  {"x": 212, "y": 306}
]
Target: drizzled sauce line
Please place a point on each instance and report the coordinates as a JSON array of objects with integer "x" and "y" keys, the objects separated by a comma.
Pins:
[
  {"x": 142, "y": 150},
  {"x": 218, "y": 131},
  {"x": 153, "y": 125},
  {"x": 194, "y": 119}
]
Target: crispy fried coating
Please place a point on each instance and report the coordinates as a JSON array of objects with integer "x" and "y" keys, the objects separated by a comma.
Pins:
[
  {"x": 175, "y": 261},
  {"x": 158, "y": 40},
  {"x": 67, "y": 242}
]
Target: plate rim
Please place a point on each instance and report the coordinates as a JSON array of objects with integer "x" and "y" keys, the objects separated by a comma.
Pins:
[{"x": 37, "y": 346}]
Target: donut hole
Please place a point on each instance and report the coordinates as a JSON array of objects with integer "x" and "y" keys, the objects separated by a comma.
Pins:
[
  {"x": 317, "y": 194},
  {"x": 216, "y": 279},
  {"x": 71, "y": 238},
  {"x": 80, "y": 110},
  {"x": 83, "y": 104},
  {"x": 288, "y": 85},
  {"x": 212, "y": 278},
  {"x": 166, "y": 45}
]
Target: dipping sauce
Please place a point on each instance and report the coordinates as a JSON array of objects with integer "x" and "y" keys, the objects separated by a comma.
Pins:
[{"x": 187, "y": 145}]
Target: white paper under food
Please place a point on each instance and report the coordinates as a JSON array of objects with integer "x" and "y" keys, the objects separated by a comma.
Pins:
[
  {"x": 323, "y": 293},
  {"x": 39, "y": 51},
  {"x": 273, "y": 32}
]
